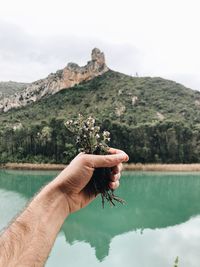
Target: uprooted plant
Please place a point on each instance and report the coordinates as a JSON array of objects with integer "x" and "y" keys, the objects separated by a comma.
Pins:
[{"x": 89, "y": 139}]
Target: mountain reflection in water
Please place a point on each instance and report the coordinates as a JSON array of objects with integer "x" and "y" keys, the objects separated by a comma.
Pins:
[{"x": 154, "y": 200}]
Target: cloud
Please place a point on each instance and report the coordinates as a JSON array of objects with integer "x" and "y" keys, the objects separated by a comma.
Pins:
[
  {"x": 188, "y": 79},
  {"x": 27, "y": 57}
]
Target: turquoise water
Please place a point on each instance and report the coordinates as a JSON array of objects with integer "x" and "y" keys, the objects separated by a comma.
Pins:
[{"x": 160, "y": 221}]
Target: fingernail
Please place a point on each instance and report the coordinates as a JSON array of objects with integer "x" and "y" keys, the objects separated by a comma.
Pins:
[
  {"x": 127, "y": 157},
  {"x": 123, "y": 156}
]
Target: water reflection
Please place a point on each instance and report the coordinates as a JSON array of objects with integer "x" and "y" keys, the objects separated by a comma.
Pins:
[
  {"x": 155, "y": 220},
  {"x": 10, "y": 205},
  {"x": 154, "y": 248},
  {"x": 26, "y": 183},
  {"x": 153, "y": 201}
]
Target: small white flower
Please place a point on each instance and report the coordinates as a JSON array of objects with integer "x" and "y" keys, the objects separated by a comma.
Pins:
[
  {"x": 106, "y": 134},
  {"x": 91, "y": 120}
]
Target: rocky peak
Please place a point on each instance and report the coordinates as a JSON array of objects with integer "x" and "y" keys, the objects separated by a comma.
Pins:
[
  {"x": 71, "y": 75},
  {"x": 98, "y": 56}
]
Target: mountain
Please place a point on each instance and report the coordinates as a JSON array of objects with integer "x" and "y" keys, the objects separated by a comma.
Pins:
[
  {"x": 152, "y": 119},
  {"x": 10, "y": 88},
  {"x": 69, "y": 76},
  {"x": 115, "y": 96}
]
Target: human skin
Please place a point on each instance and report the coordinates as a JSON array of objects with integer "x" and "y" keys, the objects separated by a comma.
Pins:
[{"x": 27, "y": 242}]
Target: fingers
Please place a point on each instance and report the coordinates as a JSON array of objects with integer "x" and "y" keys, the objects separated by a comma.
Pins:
[
  {"x": 112, "y": 150},
  {"x": 98, "y": 161},
  {"x": 115, "y": 177},
  {"x": 114, "y": 185},
  {"x": 117, "y": 169}
]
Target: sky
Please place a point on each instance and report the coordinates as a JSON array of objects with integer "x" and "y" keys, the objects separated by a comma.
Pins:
[{"x": 147, "y": 37}]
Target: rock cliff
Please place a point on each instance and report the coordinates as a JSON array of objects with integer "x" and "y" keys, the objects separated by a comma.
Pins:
[{"x": 71, "y": 75}]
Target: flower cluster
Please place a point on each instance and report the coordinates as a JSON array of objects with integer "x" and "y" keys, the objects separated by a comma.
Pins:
[{"x": 89, "y": 138}]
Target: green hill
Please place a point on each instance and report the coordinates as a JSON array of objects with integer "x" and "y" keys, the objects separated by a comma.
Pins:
[{"x": 153, "y": 119}]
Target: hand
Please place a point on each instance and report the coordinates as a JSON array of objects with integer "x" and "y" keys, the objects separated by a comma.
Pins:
[
  {"x": 41, "y": 221},
  {"x": 73, "y": 179}
]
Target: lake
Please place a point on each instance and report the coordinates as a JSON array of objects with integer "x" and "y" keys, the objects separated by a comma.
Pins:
[{"x": 160, "y": 221}]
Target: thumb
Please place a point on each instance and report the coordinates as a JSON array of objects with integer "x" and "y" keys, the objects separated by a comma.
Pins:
[{"x": 98, "y": 161}]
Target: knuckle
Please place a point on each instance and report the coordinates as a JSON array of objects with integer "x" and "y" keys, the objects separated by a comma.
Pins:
[
  {"x": 108, "y": 161},
  {"x": 83, "y": 159},
  {"x": 116, "y": 177}
]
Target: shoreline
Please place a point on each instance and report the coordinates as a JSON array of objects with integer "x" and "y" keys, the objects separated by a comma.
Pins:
[
  {"x": 32, "y": 166},
  {"x": 193, "y": 167}
]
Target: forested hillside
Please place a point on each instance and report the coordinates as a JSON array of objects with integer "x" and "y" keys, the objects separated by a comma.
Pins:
[{"x": 152, "y": 119}]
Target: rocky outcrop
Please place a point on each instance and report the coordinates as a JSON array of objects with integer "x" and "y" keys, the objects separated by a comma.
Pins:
[
  {"x": 71, "y": 75},
  {"x": 10, "y": 88}
]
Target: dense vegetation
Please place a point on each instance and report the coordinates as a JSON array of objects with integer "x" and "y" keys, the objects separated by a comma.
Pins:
[{"x": 153, "y": 119}]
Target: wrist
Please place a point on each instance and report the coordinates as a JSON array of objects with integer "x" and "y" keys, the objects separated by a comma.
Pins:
[{"x": 52, "y": 199}]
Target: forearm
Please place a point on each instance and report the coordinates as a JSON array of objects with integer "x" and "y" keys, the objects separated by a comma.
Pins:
[
  {"x": 27, "y": 242},
  {"x": 29, "y": 239}
]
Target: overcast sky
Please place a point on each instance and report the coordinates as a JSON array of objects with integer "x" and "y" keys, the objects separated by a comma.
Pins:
[{"x": 150, "y": 37}]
